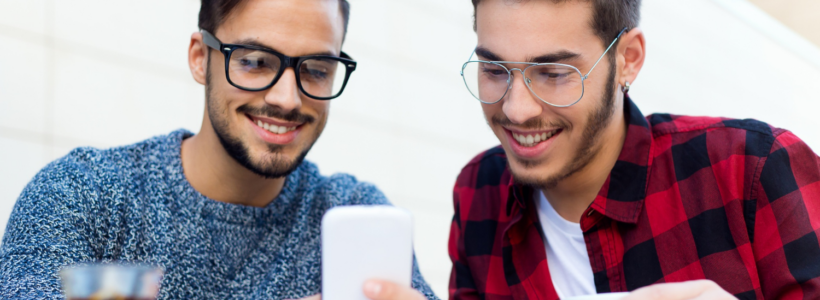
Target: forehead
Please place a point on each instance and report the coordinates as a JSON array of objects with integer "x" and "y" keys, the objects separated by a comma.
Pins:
[
  {"x": 293, "y": 27},
  {"x": 517, "y": 30}
]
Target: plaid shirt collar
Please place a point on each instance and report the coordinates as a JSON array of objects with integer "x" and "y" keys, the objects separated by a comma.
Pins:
[{"x": 624, "y": 191}]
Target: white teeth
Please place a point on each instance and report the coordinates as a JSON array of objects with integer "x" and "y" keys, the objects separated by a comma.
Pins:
[
  {"x": 274, "y": 128},
  {"x": 530, "y": 140}
]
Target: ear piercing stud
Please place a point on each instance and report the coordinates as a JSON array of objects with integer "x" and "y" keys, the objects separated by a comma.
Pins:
[{"x": 625, "y": 88}]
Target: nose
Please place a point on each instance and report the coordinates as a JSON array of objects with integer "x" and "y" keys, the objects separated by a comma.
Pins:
[
  {"x": 520, "y": 104},
  {"x": 285, "y": 93}
]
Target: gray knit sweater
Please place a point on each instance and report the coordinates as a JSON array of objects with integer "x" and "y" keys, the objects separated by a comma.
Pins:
[{"x": 133, "y": 204}]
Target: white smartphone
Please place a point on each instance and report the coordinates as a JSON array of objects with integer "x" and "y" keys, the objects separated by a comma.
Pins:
[{"x": 365, "y": 242}]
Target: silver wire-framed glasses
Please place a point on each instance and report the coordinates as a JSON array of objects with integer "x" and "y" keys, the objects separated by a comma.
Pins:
[{"x": 556, "y": 84}]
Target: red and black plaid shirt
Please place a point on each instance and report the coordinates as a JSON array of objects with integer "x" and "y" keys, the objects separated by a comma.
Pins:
[{"x": 733, "y": 201}]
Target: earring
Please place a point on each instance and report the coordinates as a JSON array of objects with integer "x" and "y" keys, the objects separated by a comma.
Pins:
[{"x": 625, "y": 88}]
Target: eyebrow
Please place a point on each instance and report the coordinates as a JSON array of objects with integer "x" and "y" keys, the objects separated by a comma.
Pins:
[
  {"x": 546, "y": 58},
  {"x": 254, "y": 43}
]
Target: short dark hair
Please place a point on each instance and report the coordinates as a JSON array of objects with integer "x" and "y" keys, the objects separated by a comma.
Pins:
[
  {"x": 609, "y": 17},
  {"x": 212, "y": 13}
]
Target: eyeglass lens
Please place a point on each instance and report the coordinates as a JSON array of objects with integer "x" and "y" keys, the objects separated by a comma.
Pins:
[
  {"x": 555, "y": 84},
  {"x": 254, "y": 69}
]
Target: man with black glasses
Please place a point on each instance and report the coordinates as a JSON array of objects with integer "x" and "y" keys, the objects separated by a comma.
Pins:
[
  {"x": 585, "y": 195},
  {"x": 232, "y": 212}
]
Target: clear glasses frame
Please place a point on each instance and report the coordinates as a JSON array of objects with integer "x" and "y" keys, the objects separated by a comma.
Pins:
[
  {"x": 527, "y": 81},
  {"x": 287, "y": 62}
]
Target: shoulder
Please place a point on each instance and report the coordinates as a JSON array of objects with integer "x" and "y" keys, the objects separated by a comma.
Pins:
[
  {"x": 87, "y": 173},
  {"x": 156, "y": 150},
  {"x": 68, "y": 177},
  {"x": 339, "y": 188},
  {"x": 669, "y": 124},
  {"x": 487, "y": 168},
  {"x": 741, "y": 136},
  {"x": 482, "y": 187}
]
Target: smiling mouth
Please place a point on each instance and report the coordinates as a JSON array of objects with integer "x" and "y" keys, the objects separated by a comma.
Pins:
[
  {"x": 273, "y": 128},
  {"x": 532, "y": 139}
]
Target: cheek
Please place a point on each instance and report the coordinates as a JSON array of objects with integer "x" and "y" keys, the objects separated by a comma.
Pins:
[
  {"x": 319, "y": 109},
  {"x": 223, "y": 102},
  {"x": 491, "y": 110},
  {"x": 576, "y": 116},
  {"x": 322, "y": 108}
]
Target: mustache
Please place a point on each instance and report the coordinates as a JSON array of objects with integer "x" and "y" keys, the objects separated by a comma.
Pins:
[
  {"x": 531, "y": 124},
  {"x": 277, "y": 113}
]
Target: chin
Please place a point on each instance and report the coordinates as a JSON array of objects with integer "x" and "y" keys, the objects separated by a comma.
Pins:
[{"x": 533, "y": 173}]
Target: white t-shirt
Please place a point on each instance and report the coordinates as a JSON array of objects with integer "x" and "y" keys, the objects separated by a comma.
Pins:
[{"x": 567, "y": 255}]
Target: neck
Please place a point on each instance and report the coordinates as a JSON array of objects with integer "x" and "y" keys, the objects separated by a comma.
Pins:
[
  {"x": 215, "y": 174},
  {"x": 573, "y": 195}
]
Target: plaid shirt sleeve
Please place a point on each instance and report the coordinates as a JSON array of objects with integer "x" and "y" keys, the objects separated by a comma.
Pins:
[
  {"x": 479, "y": 220},
  {"x": 461, "y": 280},
  {"x": 462, "y": 286},
  {"x": 787, "y": 220}
]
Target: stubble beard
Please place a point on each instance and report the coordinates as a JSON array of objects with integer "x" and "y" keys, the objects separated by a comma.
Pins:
[
  {"x": 274, "y": 167},
  {"x": 589, "y": 147}
]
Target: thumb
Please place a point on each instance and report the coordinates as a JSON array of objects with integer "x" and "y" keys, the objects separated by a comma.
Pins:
[{"x": 385, "y": 290}]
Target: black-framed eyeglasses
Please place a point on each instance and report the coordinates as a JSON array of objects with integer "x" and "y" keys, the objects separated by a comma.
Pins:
[{"x": 253, "y": 68}]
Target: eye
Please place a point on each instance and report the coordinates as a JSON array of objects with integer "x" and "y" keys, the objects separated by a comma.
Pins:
[
  {"x": 252, "y": 62},
  {"x": 555, "y": 75},
  {"x": 314, "y": 72},
  {"x": 493, "y": 70}
]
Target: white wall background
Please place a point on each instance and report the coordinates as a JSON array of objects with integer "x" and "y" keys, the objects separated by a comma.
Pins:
[{"x": 104, "y": 73}]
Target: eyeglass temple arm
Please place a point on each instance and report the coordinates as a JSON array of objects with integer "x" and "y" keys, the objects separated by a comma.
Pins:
[
  {"x": 211, "y": 40},
  {"x": 605, "y": 51}
]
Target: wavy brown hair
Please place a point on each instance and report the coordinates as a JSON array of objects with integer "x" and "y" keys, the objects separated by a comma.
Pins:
[
  {"x": 213, "y": 12},
  {"x": 609, "y": 17}
]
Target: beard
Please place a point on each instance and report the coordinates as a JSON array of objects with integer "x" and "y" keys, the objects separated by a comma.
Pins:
[
  {"x": 588, "y": 148},
  {"x": 276, "y": 166}
]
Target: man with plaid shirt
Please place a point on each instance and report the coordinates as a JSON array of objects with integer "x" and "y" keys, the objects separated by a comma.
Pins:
[{"x": 585, "y": 195}]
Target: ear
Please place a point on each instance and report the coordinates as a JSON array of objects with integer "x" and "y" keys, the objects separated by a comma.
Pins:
[
  {"x": 198, "y": 58},
  {"x": 631, "y": 55}
]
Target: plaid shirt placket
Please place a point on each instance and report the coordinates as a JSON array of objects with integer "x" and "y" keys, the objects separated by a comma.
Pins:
[{"x": 689, "y": 198}]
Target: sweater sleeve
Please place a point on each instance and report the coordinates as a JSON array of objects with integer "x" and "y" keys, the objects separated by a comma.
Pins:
[{"x": 47, "y": 230}]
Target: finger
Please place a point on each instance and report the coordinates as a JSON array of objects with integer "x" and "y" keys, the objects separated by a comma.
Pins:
[
  {"x": 716, "y": 294},
  {"x": 673, "y": 291},
  {"x": 385, "y": 290}
]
